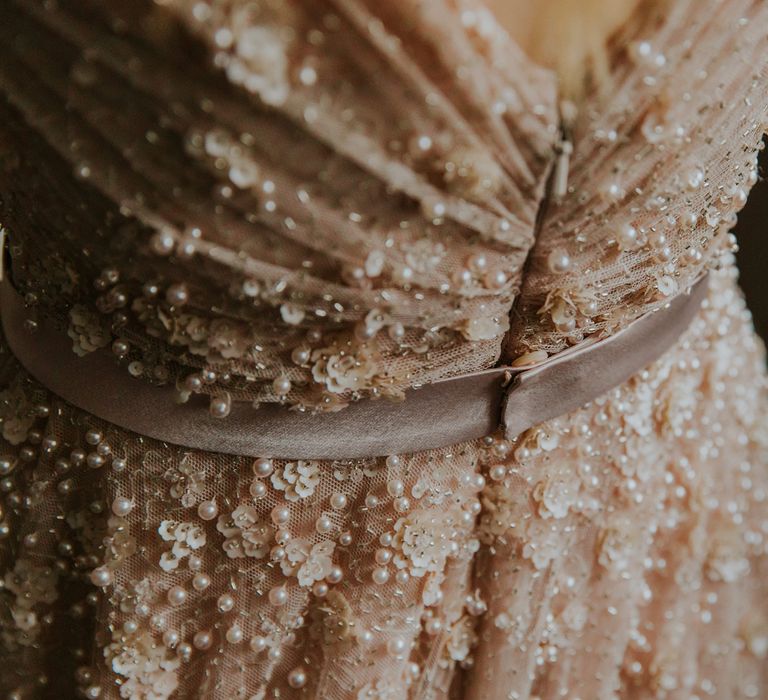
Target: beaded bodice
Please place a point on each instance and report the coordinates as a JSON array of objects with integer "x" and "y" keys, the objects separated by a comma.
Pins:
[{"x": 315, "y": 202}]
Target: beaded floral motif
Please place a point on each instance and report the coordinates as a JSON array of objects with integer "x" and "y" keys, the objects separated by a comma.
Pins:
[
  {"x": 342, "y": 371},
  {"x": 247, "y": 535},
  {"x": 87, "y": 331},
  {"x": 146, "y": 668},
  {"x": 31, "y": 587},
  {"x": 16, "y": 413},
  {"x": 308, "y": 563},
  {"x": 424, "y": 541},
  {"x": 297, "y": 479},
  {"x": 186, "y": 537}
]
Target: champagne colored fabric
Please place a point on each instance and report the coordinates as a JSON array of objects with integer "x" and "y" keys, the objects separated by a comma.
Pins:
[{"x": 310, "y": 204}]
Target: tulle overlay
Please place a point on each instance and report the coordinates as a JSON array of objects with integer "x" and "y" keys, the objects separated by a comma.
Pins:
[{"x": 316, "y": 202}]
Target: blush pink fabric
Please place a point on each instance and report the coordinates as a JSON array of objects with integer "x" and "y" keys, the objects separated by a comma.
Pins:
[{"x": 309, "y": 204}]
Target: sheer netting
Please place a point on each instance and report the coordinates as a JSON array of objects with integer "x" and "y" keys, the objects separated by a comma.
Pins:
[{"x": 317, "y": 202}]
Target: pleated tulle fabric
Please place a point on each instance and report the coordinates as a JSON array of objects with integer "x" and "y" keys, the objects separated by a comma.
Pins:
[{"x": 316, "y": 202}]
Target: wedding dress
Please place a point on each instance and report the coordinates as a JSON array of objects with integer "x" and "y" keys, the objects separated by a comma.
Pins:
[{"x": 315, "y": 203}]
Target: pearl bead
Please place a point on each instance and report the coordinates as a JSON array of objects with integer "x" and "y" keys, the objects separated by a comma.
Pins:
[
  {"x": 258, "y": 644},
  {"x": 193, "y": 382},
  {"x": 495, "y": 279},
  {"x": 119, "y": 464},
  {"x": 208, "y": 510},
  {"x": 335, "y": 575},
  {"x": 393, "y": 461},
  {"x": 297, "y": 678},
  {"x": 371, "y": 501},
  {"x": 383, "y": 556},
  {"x": 395, "y": 488},
  {"x": 170, "y": 639},
  {"x": 497, "y": 472},
  {"x": 433, "y": 626},
  {"x": 263, "y": 467},
  {"x": 626, "y": 236},
  {"x": 559, "y": 261},
  {"x": 694, "y": 178},
  {"x": 402, "y": 504},
  {"x": 202, "y": 640},
  {"x": 234, "y": 635},
  {"x": 121, "y": 506},
  {"x": 220, "y": 405},
  {"x": 396, "y": 331},
  {"x": 282, "y": 537},
  {"x": 176, "y": 595},
  {"x": 93, "y": 437},
  {"x": 281, "y": 385},
  {"x": 101, "y": 577},
  {"x": 300, "y": 355},
  {"x": 385, "y": 539},
  {"x": 95, "y": 460},
  {"x": 184, "y": 651},
  {"x": 380, "y": 575},
  {"x": 258, "y": 489},
  {"x": 226, "y": 602},
  {"x": 462, "y": 277},
  {"x": 402, "y": 577},
  {"x": 397, "y": 647},
  {"x": 320, "y": 589},
  {"x": 477, "y": 262},
  {"x": 278, "y": 596},
  {"x": 200, "y": 582},
  {"x": 612, "y": 192},
  {"x": 280, "y": 515},
  {"x": 177, "y": 294},
  {"x": 162, "y": 242},
  {"x": 345, "y": 539},
  {"x": 338, "y": 501},
  {"x": 323, "y": 525}
]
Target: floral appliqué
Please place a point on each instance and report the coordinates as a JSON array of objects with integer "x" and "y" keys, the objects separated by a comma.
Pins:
[
  {"x": 247, "y": 535},
  {"x": 87, "y": 331},
  {"x": 297, "y": 479},
  {"x": 186, "y": 537},
  {"x": 149, "y": 669},
  {"x": 308, "y": 563}
]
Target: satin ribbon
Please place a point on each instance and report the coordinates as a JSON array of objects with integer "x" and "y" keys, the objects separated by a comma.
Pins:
[{"x": 435, "y": 415}]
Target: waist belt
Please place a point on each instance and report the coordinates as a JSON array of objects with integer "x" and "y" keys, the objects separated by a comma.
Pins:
[{"x": 435, "y": 415}]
